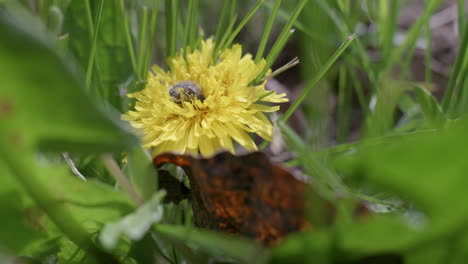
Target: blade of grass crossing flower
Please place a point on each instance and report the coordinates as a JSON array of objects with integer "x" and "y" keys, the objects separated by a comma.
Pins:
[
  {"x": 317, "y": 78},
  {"x": 267, "y": 31},
  {"x": 282, "y": 69},
  {"x": 462, "y": 57},
  {"x": 92, "y": 53},
  {"x": 282, "y": 38},
  {"x": 142, "y": 38},
  {"x": 276, "y": 50},
  {"x": 149, "y": 46},
  {"x": 242, "y": 24},
  {"x": 128, "y": 36}
]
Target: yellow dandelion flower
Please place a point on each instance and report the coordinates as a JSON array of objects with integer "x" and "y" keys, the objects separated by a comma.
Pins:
[{"x": 202, "y": 106}]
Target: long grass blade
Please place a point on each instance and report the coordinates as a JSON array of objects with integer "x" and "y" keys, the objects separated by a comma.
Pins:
[
  {"x": 267, "y": 31},
  {"x": 223, "y": 21},
  {"x": 171, "y": 26},
  {"x": 149, "y": 46},
  {"x": 317, "y": 77},
  {"x": 242, "y": 24},
  {"x": 456, "y": 72},
  {"x": 128, "y": 36},
  {"x": 282, "y": 38},
  {"x": 142, "y": 36},
  {"x": 92, "y": 53}
]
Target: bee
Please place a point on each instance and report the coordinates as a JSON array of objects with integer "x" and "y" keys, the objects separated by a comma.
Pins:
[{"x": 185, "y": 91}]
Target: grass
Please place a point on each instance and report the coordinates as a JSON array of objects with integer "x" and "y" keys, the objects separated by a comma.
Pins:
[{"x": 364, "y": 129}]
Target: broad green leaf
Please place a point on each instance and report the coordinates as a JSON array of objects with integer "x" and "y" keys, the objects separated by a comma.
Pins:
[
  {"x": 18, "y": 217},
  {"x": 308, "y": 247},
  {"x": 379, "y": 234},
  {"x": 214, "y": 243},
  {"x": 91, "y": 202},
  {"x": 428, "y": 170},
  {"x": 432, "y": 110},
  {"x": 383, "y": 107},
  {"x": 135, "y": 225},
  {"x": 42, "y": 98},
  {"x": 112, "y": 65},
  {"x": 140, "y": 170}
]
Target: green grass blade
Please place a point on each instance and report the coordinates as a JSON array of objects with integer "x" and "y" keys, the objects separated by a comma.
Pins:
[
  {"x": 242, "y": 24},
  {"x": 149, "y": 46},
  {"x": 275, "y": 51},
  {"x": 343, "y": 106},
  {"x": 389, "y": 26},
  {"x": 223, "y": 21},
  {"x": 412, "y": 36},
  {"x": 327, "y": 181},
  {"x": 193, "y": 23},
  {"x": 347, "y": 30},
  {"x": 128, "y": 36},
  {"x": 188, "y": 25},
  {"x": 89, "y": 19},
  {"x": 142, "y": 36},
  {"x": 267, "y": 31},
  {"x": 317, "y": 78},
  {"x": 282, "y": 38},
  {"x": 283, "y": 16},
  {"x": 92, "y": 53},
  {"x": 428, "y": 54},
  {"x": 171, "y": 26},
  {"x": 224, "y": 38},
  {"x": 461, "y": 17},
  {"x": 461, "y": 59}
]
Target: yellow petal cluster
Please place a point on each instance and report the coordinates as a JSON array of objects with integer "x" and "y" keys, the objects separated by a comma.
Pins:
[{"x": 229, "y": 112}]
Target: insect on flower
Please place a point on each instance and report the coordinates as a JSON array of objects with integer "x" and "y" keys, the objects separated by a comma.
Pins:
[{"x": 185, "y": 91}]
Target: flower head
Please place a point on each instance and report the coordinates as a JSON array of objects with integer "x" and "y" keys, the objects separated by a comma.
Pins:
[{"x": 202, "y": 106}]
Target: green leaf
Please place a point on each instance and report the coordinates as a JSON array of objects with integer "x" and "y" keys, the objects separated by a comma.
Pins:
[
  {"x": 140, "y": 170},
  {"x": 381, "y": 234},
  {"x": 135, "y": 225},
  {"x": 43, "y": 100},
  {"x": 308, "y": 247},
  {"x": 430, "y": 107},
  {"x": 18, "y": 215},
  {"x": 112, "y": 61},
  {"x": 216, "y": 244},
  {"x": 428, "y": 170}
]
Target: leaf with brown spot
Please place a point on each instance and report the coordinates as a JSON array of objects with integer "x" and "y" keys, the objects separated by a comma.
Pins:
[{"x": 245, "y": 195}]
